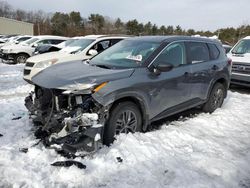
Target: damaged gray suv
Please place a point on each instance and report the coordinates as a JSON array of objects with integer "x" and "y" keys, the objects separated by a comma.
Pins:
[{"x": 81, "y": 105}]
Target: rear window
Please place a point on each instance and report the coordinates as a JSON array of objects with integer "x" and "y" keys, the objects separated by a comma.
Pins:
[
  {"x": 32, "y": 40},
  {"x": 23, "y": 39},
  {"x": 214, "y": 51},
  {"x": 197, "y": 52}
]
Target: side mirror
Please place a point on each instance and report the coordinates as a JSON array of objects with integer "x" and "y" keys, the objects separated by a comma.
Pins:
[
  {"x": 92, "y": 52},
  {"x": 34, "y": 45},
  {"x": 16, "y": 42},
  {"x": 163, "y": 67}
]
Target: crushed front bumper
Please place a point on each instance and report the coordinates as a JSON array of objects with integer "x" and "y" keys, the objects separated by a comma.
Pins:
[
  {"x": 81, "y": 133},
  {"x": 7, "y": 57}
]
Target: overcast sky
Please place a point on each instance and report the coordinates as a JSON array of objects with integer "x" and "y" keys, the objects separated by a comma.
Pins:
[{"x": 196, "y": 14}]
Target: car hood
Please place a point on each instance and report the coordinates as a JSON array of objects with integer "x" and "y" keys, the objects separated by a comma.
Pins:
[
  {"x": 15, "y": 46},
  {"x": 48, "y": 56},
  {"x": 63, "y": 75},
  {"x": 70, "y": 49},
  {"x": 241, "y": 58}
]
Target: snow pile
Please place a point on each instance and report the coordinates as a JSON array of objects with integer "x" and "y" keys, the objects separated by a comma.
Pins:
[
  {"x": 202, "y": 151},
  {"x": 11, "y": 82}
]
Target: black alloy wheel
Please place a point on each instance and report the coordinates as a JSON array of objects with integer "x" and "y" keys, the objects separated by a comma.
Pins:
[
  {"x": 215, "y": 99},
  {"x": 125, "y": 117}
]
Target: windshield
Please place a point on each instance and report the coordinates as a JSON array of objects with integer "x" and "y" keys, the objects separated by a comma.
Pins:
[
  {"x": 242, "y": 47},
  {"x": 125, "y": 54},
  {"x": 30, "y": 41},
  {"x": 66, "y": 43},
  {"x": 77, "y": 45}
]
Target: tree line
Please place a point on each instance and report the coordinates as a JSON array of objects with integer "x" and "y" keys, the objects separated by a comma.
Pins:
[{"x": 73, "y": 24}]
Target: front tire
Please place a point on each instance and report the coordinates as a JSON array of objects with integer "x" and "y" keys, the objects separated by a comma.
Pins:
[
  {"x": 20, "y": 58},
  {"x": 125, "y": 117},
  {"x": 215, "y": 99}
]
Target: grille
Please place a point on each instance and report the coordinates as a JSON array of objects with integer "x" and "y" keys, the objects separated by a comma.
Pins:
[
  {"x": 241, "y": 68},
  {"x": 29, "y": 64},
  {"x": 26, "y": 72}
]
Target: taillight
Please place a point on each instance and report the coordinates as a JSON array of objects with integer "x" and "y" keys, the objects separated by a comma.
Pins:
[{"x": 229, "y": 61}]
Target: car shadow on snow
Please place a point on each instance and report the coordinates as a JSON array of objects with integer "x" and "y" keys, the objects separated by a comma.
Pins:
[
  {"x": 7, "y": 62},
  {"x": 239, "y": 89},
  {"x": 182, "y": 116}
]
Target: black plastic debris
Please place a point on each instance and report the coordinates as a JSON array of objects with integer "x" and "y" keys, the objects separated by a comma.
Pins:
[
  {"x": 119, "y": 159},
  {"x": 24, "y": 150},
  {"x": 1, "y": 135},
  {"x": 69, "y": 163},
  {"x": 40, "y": 133},
  {"x": 16, "y": 118}
]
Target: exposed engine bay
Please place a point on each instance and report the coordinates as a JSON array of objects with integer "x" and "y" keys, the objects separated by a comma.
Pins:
[{"x": 71, "y": 122}]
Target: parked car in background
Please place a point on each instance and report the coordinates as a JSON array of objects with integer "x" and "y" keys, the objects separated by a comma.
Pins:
[
  {"x": 227, "y": 47},
  {"x": 16, "y": 40},
  {"x": 45, "y": 48},
  {"x": 128, "y": 86},
  {"x": 20, "y": 52},
  {"x": 81, "y": 49},
  {"x": 240, "y": 55},
  {"x": 5, "y": 38}
]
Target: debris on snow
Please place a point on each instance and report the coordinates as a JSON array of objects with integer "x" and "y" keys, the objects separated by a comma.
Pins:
[
  {"x": 16, "y": 118},
  {"x": 119, "y": 159},
  {"x": 24, "y": 150},
  {"x": 69, "y": 163}
]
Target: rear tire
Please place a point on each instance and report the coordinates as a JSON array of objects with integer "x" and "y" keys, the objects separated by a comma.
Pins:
[
  {"x": 215, "y": 99},
  {"x": 125, "y": 117},
  {"x": 20, "y": 58}
]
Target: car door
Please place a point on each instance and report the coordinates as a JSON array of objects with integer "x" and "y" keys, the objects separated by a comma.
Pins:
[
  {"x": 169, "y": 90},
  {"x": 202, "y": 68}
]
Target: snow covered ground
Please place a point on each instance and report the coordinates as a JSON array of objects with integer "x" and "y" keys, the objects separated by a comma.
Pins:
[{"x": 206, "y": 150}]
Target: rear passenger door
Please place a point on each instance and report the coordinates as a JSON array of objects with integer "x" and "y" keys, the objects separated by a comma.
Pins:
[{"x": 202, "y": 57}]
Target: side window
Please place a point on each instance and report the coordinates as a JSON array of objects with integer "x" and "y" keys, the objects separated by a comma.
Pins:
[
  {"x": 43, "y": 42},
  {"x": 114, "y": 41},
  {"x": 214, "y": 52},
  {"x": 101, "y": 46},
  {"x": 173, "y": 54},
  {"x": 56, "y": 41},
  {"x": 23, "y": 39},
  {"x": 197, "y": 52}
]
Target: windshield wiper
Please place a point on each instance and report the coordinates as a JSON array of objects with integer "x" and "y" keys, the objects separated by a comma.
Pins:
[{"x": 102, "y": 66}]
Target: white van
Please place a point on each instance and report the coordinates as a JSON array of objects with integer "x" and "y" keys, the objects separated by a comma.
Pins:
[{"x": 240, "y": 55}]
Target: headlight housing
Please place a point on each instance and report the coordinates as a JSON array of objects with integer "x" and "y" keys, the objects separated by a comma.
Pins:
[
  {"x": 79, "y": 88},
  {"x": 45, "y": 64},
  {"x": 5, "y": 51}
]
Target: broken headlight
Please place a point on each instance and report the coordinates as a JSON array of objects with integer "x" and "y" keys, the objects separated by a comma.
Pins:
[{"x": 78, "y": 87}]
